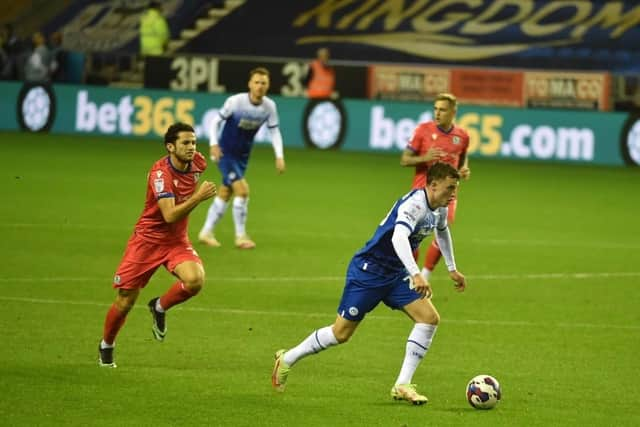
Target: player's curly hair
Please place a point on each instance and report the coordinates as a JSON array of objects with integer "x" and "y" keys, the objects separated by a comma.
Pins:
[
  {"x": 440, "y": 170},
  {"x": 172, "y": 133}
]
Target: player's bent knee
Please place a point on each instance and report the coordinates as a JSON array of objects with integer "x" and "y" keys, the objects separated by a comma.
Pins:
[
  {"x": 194, "y": 289},
  {"x": 194, "y": 284},
  {"x": 191, "y": 273},
  {"x": 242, "y": 193},
  {"x": 241, "y": 188},
  {"x": 126, "y": 299},
  {"x": 433, "y": 319},
  {"x": 224, "y": 193},
  {"x": 342, "y": 334},
  {"x": 342, "y": 337},
  {"x": 124, "y": 307},
  {"x": 423, "y": 311},
  {"x": 430, "y": 318}
]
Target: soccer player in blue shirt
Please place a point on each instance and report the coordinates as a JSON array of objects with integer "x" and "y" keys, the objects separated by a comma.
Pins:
[
  {"x": 242, "y": 114},
  {"x": 385, "y": 270}
]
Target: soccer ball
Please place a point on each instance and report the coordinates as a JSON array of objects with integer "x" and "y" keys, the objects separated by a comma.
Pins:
[{"x": 483, "y": 392}]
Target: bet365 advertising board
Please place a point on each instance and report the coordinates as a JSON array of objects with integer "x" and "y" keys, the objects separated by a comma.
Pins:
[{"x": 357, "y": 125}]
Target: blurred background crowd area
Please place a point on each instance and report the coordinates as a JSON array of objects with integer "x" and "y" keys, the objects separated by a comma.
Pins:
[{"x": 526, "y": 53}]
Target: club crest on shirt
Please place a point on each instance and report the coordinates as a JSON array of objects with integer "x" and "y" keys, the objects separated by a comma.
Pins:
[
  {"x": 456, "y": 140},
  {"x": 434, "y": 136},
  {"x": 175, "y": 182},
  {"x": 425, "y": 228},
  {"x": 158, "y": 184},
  {"x": 158, "y": 174}
]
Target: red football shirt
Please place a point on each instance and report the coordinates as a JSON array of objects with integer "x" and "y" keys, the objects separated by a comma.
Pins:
[
  {"x": 163, "y": 181},
  {"x": 428, "y": 135}
]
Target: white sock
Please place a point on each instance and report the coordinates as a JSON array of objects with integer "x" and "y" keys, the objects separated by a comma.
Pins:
[
  {"x": 417, "y": 346},
  {"x": 319, "y": 340},
  {"x": 216, "y": 211},
  {"x": 240, "y": 207},
  {"x": 103, "y": 344},
  {"x": 426, "y": 273}
]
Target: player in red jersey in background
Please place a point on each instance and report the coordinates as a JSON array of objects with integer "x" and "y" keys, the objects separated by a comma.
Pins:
[
  {"x": 439, "y": 140},
  {"x": 160, "y": 238}
]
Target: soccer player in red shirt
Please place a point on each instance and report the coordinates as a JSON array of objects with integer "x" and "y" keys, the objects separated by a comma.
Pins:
[
  {"x": 160, "y": 238},
  {"x": 438, "y": 140}
]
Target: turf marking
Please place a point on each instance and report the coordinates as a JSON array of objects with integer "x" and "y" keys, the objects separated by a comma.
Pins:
[
  {"x": 276, "y": 279},
  {"x": 242, "y": 312}
]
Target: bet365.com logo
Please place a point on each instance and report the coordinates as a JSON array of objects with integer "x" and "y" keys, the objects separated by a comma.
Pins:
[{"x": 36, "y": 109}]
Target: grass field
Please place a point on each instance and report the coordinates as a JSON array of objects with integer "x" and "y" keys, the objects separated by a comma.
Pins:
[{"x": 551, "y": 253}]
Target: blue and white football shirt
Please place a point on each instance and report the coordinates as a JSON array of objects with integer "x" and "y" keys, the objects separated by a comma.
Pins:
[
  {"x": 411, "y": 211},
  {"x": 242, "y": 121}
]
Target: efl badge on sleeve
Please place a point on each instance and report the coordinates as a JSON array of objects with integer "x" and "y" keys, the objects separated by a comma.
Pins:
[{"x": 158, "y": 185}]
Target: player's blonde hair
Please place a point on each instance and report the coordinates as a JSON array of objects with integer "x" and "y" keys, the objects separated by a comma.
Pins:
[{"x": 444, "y": 96}]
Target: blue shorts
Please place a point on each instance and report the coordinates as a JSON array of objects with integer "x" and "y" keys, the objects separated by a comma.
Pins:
[
  {"x": 366, "y": 285},
  {"x": 232, "y": 168}
]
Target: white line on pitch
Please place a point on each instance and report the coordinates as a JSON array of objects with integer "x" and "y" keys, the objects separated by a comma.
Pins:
[
  {"x": 329, "y": 315},
  {"x": 553, "y": 243},
  {"x": 249, "y": 278},
  {"x": 342, "y": 235}
]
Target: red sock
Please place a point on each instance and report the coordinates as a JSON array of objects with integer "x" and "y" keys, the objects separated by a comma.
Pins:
[
  {"x": 433, "y": 256},
  {"x": 176, "y": 294},
  {"x": 416, "y": 254},
  {"x": 112, "y": 324}
]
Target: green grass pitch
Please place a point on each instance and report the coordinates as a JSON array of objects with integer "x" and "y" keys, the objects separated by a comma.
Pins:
[{"x": 552, "y": 308}]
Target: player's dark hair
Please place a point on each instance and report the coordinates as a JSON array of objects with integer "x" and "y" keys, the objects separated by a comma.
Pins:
[
  {"x": 172, "y": 133},
  {"x": 439, "y": 171},
  {"x": 258, "y": 70}
]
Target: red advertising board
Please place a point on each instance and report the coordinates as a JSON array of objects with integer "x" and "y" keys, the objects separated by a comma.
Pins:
[
  {"x": 524, "y": 89},
  {"x": 406, "y": 82},
  {"x": 487, "y": 87}
]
